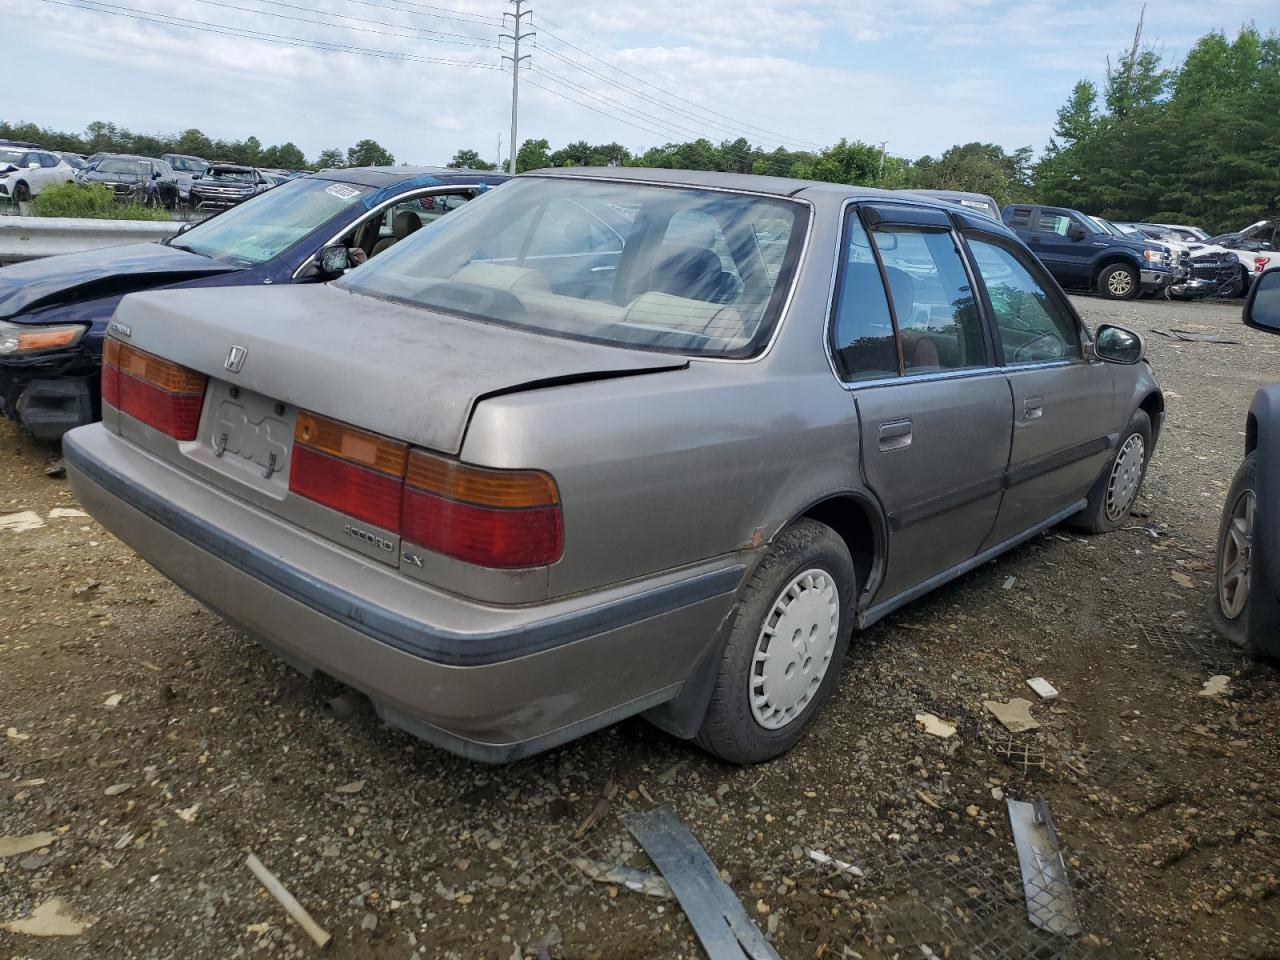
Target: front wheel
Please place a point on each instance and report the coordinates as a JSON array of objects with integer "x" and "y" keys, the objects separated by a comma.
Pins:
[
  {"x": 790, "y": 632},
  {"x": 1116, "y": 490},
  {"x": 1233, "y": 573},
  {"x": 1118, "y": 281},
  {"x": 22, "y": 193}
]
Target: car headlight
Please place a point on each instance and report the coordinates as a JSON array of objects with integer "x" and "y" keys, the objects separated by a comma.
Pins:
[
  {"x": 20, "y": 340},
  {"x": 1154, "y": 256}
]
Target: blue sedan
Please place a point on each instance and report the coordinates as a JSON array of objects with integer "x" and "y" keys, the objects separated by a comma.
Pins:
[{"x": 54, "y": 311}]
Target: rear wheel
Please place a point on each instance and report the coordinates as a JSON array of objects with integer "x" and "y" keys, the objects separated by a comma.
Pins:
[
  {"x": 790, "y": 633},
  {"x": 1229, "y": 609},
  {"x": 1116, "y": 490},
  {"x": 1118, "y": 281}
]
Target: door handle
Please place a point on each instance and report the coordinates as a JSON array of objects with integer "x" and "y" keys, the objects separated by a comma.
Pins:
[
  {"x": 1033, "y": 408},
  {"x": 895, "y": 434}
]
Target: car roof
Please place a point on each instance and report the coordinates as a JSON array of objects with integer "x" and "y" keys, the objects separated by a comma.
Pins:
[{"x": 390, "y": 176}]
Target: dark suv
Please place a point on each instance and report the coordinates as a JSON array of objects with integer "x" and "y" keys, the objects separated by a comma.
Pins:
[
  {"x": 225, "y": 184},
  {"x": 1081, "y": 253},
  {"x": 134, "y": 179}
]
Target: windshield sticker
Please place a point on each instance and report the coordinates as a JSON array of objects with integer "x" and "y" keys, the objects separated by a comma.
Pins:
[{"x": 342, "y": 191}]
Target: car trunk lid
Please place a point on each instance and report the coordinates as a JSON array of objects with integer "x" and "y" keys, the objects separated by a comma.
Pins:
[{"x": 397, "y": 370}]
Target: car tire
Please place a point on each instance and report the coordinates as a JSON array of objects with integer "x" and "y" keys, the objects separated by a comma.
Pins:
[
  {"x": 1120, "y": 483},
  {"x": 804, "y": 586},
  {"x": 22, "y": 192},
  {"x": 1119, "y": 281},
  {"x": 1233, "y": 569}
]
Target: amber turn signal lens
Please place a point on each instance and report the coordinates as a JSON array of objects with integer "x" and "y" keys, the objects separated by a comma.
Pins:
[
  {"x": 510, "y": 489},
  {"x": 352, "y": 444},
  {"x": 157, "y": 371}
]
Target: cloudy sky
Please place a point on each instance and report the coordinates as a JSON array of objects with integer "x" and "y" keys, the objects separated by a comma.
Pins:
[{"x": 421, "y": 77}]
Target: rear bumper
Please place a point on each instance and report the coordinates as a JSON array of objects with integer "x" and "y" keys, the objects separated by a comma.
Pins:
[{"x": 490, "y": 683}]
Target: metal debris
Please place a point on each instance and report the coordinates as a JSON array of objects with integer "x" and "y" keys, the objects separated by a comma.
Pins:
[
  {"x": 1051, "y": 904},
  {"x": 286, "y": 900},
  {"x": 1191, "y": 336},
  {"x": 637, "y": 881},
  {"x": 599, "y": 811},
  {"x": 716, "y": 914},
  {"x": 817, "y": 856}
]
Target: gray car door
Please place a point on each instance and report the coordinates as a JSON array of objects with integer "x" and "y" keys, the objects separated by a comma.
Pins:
[
  {"x": 1064, "y": 405},
  {"x": 933, "y": 408}
]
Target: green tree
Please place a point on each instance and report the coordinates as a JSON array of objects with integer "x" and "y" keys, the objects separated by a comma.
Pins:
[
  {"x": 331, "y": 158},
  {"x": 1078, "y": 117},
  {"x": 286, "y": 156},
  {"x": 533, "y": 155},
  {"x": 369, "y": 153},
  {"x": 469, "y": 160}
]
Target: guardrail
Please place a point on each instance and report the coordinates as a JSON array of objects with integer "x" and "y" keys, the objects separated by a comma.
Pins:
[{"x": 26, "y": 238}]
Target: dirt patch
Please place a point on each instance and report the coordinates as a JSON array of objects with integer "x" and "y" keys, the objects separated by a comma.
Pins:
[{"x": 161, "y": 747}]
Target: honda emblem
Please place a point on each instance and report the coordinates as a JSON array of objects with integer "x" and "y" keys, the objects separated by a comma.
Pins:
[{"x": 235, "y": 358}]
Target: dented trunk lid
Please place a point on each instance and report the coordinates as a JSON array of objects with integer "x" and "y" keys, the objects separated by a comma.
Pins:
[{"x": 403, "y": 371}]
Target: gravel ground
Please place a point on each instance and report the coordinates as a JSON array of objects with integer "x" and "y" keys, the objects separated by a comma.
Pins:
[{"x": 1167, "y": 801}]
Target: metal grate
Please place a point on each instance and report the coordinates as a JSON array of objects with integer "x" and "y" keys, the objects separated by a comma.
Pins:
[
  {"x": 1024, "y": 754},
  {"x": 969, "y": 903},
  {"x": 1201, "y": 648}
]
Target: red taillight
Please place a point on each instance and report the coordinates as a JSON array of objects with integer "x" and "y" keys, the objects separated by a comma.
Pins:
[
  {"x": 160, "y": 393},
  {"x": 349, "y": 470},
  {"x": 1259, "y": 264},
  {"x": 494, "y": 518}
]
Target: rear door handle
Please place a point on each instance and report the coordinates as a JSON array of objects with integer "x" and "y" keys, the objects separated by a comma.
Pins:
[
  {"x": 895, "y": 434},
  {"x": 1033, "y": 408}
]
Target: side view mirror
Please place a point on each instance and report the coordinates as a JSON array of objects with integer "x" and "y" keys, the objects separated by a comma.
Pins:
[
  {"x": 1117, "y": 345},
  {"x": 1075, "y": 234},
  {"x": 33, "y": 165},
  {"x": 1262, "y": 308},
  {"x": 155, "y": 175},
  {"x": 334, "y": 259}
]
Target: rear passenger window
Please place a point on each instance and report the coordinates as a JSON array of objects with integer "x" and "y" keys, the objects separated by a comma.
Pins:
[
  {"x": 1020, "y": 217},
  {"x": 863, "y": 342},
  {"x": 933, "y": 301},
  {"x": 1033, "y": 324},
  {"x": 1053, "y": 223}
]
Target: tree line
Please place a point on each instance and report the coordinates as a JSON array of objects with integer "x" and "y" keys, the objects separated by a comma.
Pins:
[
  {"x": 103, "y": 137},
  {"x": 1194, "y": 142}
]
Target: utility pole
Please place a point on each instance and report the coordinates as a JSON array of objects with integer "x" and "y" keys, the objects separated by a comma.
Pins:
[
  {"x": 497, "y": 161},
  {"x": 515, "y": 36},
  {"x": 883, "y": 144}
]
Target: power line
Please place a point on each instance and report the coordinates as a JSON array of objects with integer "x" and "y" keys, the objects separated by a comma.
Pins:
[
  {"x": 737, "y": 124},
  {"x": 648, "y": 118},
  {"x": 703, "y": 121},
  {"x": 445, "y": 13},
  {"x": 587, "y": 106},
  {"x": 469, "y": 40},
  {"x": 131, "y": 13}
]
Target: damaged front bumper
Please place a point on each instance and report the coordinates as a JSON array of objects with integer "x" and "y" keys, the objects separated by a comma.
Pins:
[
  {"x": 50, "y": 395},
  {"x": 1155, "y": 281}
]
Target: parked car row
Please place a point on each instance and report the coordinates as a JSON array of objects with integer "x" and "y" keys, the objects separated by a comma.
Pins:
[
  {"x": 1124, "y": 260},
  {"x": 25, "y": 171}
]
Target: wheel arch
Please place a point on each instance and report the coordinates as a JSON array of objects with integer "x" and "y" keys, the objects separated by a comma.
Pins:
[
  {"x": 858, "y": 520},
  {"x": 1112, "y": 258},
  {"x": 1153, "y": 406}
]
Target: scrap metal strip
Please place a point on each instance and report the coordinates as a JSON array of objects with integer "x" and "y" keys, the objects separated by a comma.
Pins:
[
  {"x": 1045, "y": 882},
  {"x": 714, "y": 911}
]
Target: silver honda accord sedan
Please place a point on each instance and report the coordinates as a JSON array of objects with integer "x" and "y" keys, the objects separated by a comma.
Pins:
[{"x": 612, "y": 442}]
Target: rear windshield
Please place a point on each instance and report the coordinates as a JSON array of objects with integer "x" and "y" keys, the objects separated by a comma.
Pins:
[
  {"x": 697, "y": 272},
  {"x": 189, "y": 164}
]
